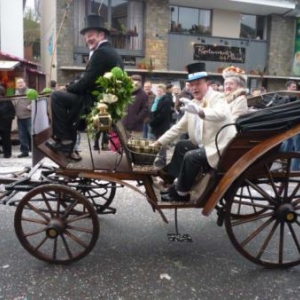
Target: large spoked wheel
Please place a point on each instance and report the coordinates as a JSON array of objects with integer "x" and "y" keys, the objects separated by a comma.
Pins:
[
  {"x": 100, "y": 193},
  {"x": 262, "y": 212},
  {"x": 56, "y": 224}
]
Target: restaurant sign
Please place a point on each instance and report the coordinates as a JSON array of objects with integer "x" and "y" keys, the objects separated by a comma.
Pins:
[{"x": 219, "y": 53}]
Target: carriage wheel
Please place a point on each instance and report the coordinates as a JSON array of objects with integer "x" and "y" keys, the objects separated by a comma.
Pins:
[
  {"x": 262, "y": 212},
  {"x": 56, "y": 224},
  {"x": 100, "y": 193}
]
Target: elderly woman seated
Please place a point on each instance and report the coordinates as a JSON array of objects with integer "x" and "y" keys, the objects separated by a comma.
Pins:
[{"x": 235, "y": 90}]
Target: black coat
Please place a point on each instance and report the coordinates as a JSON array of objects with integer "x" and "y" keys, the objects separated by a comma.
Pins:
[
  {"x": 103, "y": 60},
  {"x": 137, "y": 111},
  {"x": 161, "y": 119},
  {"x": 7, "y": 113}
]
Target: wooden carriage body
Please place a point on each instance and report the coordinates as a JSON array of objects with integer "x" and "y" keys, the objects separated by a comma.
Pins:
[{"x": 252, "y": 182}]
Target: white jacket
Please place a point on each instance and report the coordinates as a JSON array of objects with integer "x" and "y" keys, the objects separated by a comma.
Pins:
[{"x": 217, "y": 114}]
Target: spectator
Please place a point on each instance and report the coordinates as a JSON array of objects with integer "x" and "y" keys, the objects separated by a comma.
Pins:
[
  {"x": 292, "y": 144},
  {"x": 53, "y": 85},
  {"x": 138, "y": 110},
  {"x": 151, "y": 97},
  {"x": 204, "y": 116},
  {"x": 235, "y": 90},
  {"x": 214, "y": 84},
  {"x": 7, "y": 113},
  {"x": 67, "y": 106},
  {"x": 160, "y": 120},
  {"x": 23, "y": 113}
]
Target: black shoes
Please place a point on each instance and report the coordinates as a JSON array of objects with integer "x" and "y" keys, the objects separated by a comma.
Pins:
[
  {"x": 173, "y": 196},
  {"x": 23, "y": 155},
  {"x": 60, "y": 147}
]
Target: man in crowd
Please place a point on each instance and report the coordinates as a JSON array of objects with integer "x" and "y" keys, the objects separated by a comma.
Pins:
[
  {"x": 67, "y": 105},
  {"x": 151, "y": 97},
  {"x": 23, "y": 113},
  {"x": 138, "y": 110}
]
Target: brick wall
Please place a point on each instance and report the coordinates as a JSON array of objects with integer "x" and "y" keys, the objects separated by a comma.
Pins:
[
  {"x": 281, "y": 45},
  {"x": 157, "y": 27},
  {"x": 65, "y": 44}
]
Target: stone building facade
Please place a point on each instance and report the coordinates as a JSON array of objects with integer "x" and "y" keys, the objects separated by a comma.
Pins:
[{"x": 157, "y": 46}]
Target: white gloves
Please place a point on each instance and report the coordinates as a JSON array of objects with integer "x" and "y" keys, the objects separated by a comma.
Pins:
[{"x": 190, "y": 107}]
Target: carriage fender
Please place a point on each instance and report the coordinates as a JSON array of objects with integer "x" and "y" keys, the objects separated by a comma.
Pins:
[{"x": 243, "y": 163}]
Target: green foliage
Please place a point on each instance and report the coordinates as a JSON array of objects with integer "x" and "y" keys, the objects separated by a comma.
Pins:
[
  {"x": 31, "y": 94},
  {"x": 115, "y": 90},
  {"x": 46, "y": 91}
]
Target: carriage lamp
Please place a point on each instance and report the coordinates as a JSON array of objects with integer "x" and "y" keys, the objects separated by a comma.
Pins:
[{"x": 102, "y": 121}]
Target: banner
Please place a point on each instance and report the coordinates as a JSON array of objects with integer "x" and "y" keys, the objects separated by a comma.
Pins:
[{"x": 296, "y": 61}]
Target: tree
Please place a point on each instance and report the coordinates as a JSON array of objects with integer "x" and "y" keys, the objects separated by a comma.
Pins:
[{"x": 31, "y": 34}]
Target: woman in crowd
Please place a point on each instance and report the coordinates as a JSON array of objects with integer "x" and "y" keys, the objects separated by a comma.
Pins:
[{"x": 235, "y": 90}]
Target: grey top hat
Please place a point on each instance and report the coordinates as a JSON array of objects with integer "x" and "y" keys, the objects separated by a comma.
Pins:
[{"x": 94, "y": 22}]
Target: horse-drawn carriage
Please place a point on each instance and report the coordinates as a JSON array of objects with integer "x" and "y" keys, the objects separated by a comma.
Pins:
[{"x": 253, "y": 190}]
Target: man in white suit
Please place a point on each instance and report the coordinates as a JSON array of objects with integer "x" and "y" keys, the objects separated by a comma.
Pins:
[{"x": 204, "y": 116}]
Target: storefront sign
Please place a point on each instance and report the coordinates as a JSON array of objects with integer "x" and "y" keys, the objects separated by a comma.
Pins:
[
  {"x": 219, "y": 53},
  {"x": 129, "y": 60}
]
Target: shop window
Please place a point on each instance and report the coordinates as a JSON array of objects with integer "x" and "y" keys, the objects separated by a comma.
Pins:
[
  {"x": 190, "y": 20},
  {"x": 124, "y": 18},
  {"x": 253, "y": 27}
]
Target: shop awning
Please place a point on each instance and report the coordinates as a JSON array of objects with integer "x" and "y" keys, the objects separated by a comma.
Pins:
[{"x": 8, "y": 65}]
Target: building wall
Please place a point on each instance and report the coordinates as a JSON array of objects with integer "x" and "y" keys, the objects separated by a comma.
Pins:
[
  {"x": 11, "y": 27},
  {"x": 157, "y": 28},
  {"x": 65, "y": 44},
  {"x": 48, "y": 38},
  {"x": 232, "y": 27},
  {"x": 157, "y": 42},
  {"x": 281, "y": 45}
]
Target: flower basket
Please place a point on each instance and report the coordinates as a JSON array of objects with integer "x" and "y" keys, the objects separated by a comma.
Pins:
[{"x": 142, "y": 152}]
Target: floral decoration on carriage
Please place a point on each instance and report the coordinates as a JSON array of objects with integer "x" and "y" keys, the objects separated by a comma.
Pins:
[{"x": 114, "y": 94}]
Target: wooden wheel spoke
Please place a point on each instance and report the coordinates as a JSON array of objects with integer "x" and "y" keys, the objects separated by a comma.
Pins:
[
  {"x": 281, "y": 243},
  {"x": 33, "y": 220},
  {"x": 294, "y": 236},
  {"x": 37, "y": 247},
  {"x": 252, "y": 203},
  {"x": 35, "y": 232},
  {"x": 256, "y": 232},
  {"x": 75, "y": 239},
  {"x": 267, "y": 240},
  {"x": 86, "y": 230},
  {"x": 54, "y": 254},
  {"x": 81, "y": 217},
  {"x": 37, "y": 211},
  {"x": 48, "y": 205},
  {"x": 70, "y": 208},
  {"x": 70, "y": 255},
  {"x": 250, "y": 219},
  {"x": 261, "y": 191}
]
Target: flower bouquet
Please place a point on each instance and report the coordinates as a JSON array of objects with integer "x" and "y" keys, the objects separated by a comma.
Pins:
[{"x": 114, "y": 94}]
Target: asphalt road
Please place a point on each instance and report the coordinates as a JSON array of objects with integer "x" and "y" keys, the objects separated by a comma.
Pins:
[{"x": 133, "y": 259}]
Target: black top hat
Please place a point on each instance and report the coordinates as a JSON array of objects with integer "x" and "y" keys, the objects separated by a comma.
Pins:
[
  {"x": 94, "y": 22},
  {"x": 196, "y": 71}
]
